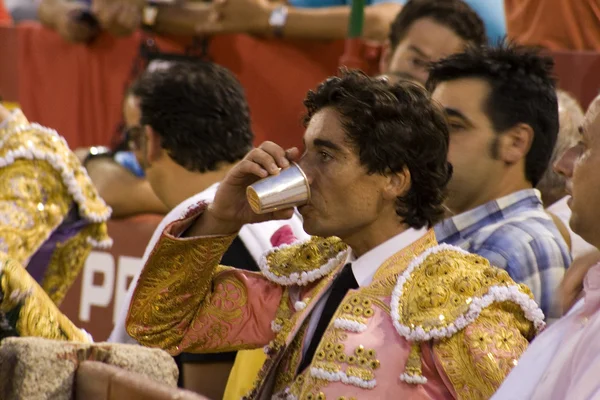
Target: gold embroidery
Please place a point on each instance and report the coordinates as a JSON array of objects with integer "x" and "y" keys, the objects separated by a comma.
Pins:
[
  {"x": 45, "y": 145},
  {"x": 291, "y": 262},
  {"x": 172, "y": 288},
  {"x": 33, "y": 202},
  {"x": 37, "y": 314},
  {"x": 68, "y": 259},
  {"x": 478, "y": 358},
  {"x": 374, "y": 295},
  {"x": 429, "y": 302},
  {"x": 222, "y": 311}
]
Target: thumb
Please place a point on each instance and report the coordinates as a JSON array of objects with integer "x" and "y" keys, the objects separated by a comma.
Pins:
[
  {"x": 292, "y": 154},
  {"x": 282, "y": 214}
]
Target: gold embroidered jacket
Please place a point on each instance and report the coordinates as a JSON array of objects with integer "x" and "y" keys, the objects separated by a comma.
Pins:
[
  {"x": 26, "y": 310},
  {"x": 435, "y": 323},
  {"x": 41, "y": 182}
]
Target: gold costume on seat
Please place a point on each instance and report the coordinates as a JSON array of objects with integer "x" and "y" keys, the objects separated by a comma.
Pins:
[
  {"x": 26, "y": 310},
  {"x": 51, "y": 217},
  {"x": 41, "y": 182}
]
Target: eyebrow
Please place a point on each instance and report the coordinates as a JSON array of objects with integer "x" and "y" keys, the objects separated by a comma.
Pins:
[
  {"x": 418, "y": 51},
  {"x": 451, "y": 112},
  {"x": 326, "y": 143}
]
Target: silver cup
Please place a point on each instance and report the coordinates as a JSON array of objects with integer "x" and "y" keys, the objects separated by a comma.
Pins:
[{"x": 288, "y": 189}]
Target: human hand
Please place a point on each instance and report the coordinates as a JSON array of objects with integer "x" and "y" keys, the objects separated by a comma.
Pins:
[
  {"x": 237, "y": 16},
  {"x": 571, "y": 287},
  {"x": 74, "y": 23},
  {"x": 119, "y": 17},
  {"x": 230, "y": 209}
]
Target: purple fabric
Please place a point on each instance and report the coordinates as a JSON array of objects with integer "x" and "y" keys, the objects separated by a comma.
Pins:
[{"x": 38, "y": 264}]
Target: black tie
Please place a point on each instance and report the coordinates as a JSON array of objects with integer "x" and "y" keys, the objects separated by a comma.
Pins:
[{"x": 342, "y": 283}]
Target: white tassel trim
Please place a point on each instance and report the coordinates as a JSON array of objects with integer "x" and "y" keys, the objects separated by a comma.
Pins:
[
  {"x": 299, "y": 305},
  {"x": 29, "y": 152},
  {"x": 87, "y": 334},
  {"x": 349, "y": 325},
  {"x": 103, "y": 244},
  {"x": 285, "y": 395},
  {"x": 413, "y": 379},
  {"x": 275, "y": 327},
  {"x": 304, "y": 278},
  {"x": 341, "y": 376},
  {"x": 495, "y": 294}
]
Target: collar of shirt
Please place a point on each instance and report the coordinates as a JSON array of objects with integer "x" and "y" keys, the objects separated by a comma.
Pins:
[
  {"x": 465, "y": 224},
  {"x": 365, "y": 266}
]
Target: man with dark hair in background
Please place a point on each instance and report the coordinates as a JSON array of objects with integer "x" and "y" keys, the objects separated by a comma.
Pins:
[
  {"x": 189, "y": 124},
  {"x": 502, "y": 110},
  {"x": 425, "y": 31},
  {"x": 371, "y": 306}
]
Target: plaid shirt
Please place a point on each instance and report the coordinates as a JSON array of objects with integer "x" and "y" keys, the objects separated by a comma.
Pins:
[{"x": 517, "y": 235}]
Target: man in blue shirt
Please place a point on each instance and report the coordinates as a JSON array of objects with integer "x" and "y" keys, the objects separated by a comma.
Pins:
[{"x": 503, "y": 116}]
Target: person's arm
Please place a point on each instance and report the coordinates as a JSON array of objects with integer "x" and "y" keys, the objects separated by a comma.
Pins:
[
  {"x": 478, "y": 358},
  {"x": 62, "y": 17},
  {"x": 252, "y": 16},
  {"x": 332, "y": 22},
  {"x": 185, "y": 301},
  {"x": 125, "y": 193}
]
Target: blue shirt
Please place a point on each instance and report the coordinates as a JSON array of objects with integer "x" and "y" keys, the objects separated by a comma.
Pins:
[
  {"x": 127, "y": 160},
  {"x": 516, "y": 234},
  {"x": 490, "y": 11}
]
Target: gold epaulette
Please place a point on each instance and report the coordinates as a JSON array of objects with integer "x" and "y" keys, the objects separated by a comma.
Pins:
[
  {"x": 21, "y": 140},
  {"x": 443, "y": 291},
  {"x": 41, "y": 179},
  {"x": 304, "y": 262}
]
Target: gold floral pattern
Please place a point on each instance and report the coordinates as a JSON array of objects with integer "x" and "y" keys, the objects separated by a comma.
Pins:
[
  {"x": 40, "y": 180},
  {"x": 68, "y": 259},
  {"x": 33, "y": 202},
  {"x": 37, "y": 314},
  {"x": 175, "y": 286},
  {"x": 478, "y": 358},
  {"x": 366, "y": 298},
  {"x": 442, "y": 287},
  {"x": 300, "y": 264},
  {"x": 21, "y": 140}
]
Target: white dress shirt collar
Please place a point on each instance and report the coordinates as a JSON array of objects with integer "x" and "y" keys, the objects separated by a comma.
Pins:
[{"x": 365, "y": 266}]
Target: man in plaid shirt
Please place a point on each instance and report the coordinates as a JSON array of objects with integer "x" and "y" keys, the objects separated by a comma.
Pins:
[{"x": 503, "y": 116}]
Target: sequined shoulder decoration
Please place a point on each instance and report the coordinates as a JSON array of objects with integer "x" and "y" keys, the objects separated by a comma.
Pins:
[
  {"x": 21, "y": 140},
  {"x": 304, "y": 262},
  {"x": 444, "y": 290}
]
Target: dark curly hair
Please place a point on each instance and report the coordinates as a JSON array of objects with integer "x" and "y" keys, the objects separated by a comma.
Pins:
[
  {"x": 200, "y": 112},
  {"x": 454, "y": 14},
  {"x": 392, "y": 127},
  {"x": 522, "y": 91}
]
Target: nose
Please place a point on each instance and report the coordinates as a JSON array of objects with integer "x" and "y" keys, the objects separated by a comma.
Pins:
[
  {"x": 306, "y": 168},
  {"x": 565, "y": 164}
]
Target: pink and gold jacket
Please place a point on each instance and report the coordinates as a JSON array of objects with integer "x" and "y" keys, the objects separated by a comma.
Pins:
[{"x": 435, "y": 323}]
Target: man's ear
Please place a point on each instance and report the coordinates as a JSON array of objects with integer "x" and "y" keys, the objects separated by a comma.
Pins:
[
  {"x": 386, "y": 57},
  {"x": 153, "y": 148},
  {"x": 514, "y": 144},
  {"x": 398, "y": 184}
]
